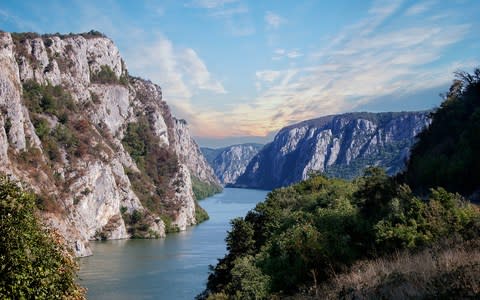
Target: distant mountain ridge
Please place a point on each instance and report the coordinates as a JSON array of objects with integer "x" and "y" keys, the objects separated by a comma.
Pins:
[
  {"x": 338, "y": 145},
  {"x": 230, "y": 162}
]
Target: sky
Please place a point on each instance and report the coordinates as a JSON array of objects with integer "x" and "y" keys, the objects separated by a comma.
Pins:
[{"x": 238, "y": 71}]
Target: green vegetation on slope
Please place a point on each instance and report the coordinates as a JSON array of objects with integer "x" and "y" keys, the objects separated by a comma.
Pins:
[
  {"x": 65, "y": 134},
  {"x": 203, "y": 190},
  {"x": 305, "y": 235},
  {"x": 307, "y": 232},
  {"x": 35, "y": 264},
  {"x": 157, "y": 167},
  {"x": 106, "y": 76},
  {"x": 447, "y": 153}
]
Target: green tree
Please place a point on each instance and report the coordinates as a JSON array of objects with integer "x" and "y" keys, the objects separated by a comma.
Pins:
[
  {"x": 34, "y": 262},
  {"x": 248, "y": 281}
]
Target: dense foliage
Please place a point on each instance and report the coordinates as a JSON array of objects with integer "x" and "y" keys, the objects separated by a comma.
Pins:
[
  {"x": 34, "y": 262},
  {"x": 302, "y": 236},
  {"x": 106, "y": 76},
  {"x": 203, "y": 190},
  {"x": 447, "y": 153},
  {"x": 304, "y": 233}
]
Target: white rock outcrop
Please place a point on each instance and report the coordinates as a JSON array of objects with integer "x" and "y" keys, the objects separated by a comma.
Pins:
[
  {"x": 340, "y": 145},
  {"x": 90, "y": 189},
  {"x": 230, "y": 162}
]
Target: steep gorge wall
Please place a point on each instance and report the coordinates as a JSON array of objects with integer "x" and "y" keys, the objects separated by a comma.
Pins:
[
  {"x": 230, "y": 162},
  {"x": 337, "y": 145},
  {"x": 66, "y": 105}
]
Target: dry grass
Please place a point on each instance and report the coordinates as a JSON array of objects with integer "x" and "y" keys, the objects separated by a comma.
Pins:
[{"x": 449, "y": 271}]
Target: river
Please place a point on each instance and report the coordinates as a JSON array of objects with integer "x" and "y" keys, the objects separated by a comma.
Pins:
[{"x": 172, "y": 268}]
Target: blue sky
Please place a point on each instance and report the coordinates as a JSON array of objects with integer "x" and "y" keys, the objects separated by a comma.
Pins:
[{"x": 240, "y": 70}]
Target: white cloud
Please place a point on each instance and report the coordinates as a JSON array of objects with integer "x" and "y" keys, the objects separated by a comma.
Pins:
[
  {"x": 294, "y": 54},
  {"x": 419, "y": 8},
  {"x": 160, "y": 11},
  {"x": 235, "y": 16},
  {"x": 158, "y": 62},
  {"x": 199, "y": 75},
  {"x": 360, "y": 65},
  {"x": 282, "y": 53},
  {"x": 180, "y": 71},
  {"x": 273, "y": 20},
  {"x": 268, "y": 76},
  {"x": 210, "y": 3},
  {"x": 229, "y": 12}
]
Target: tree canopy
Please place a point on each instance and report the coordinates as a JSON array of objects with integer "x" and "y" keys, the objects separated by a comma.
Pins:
[{"x": 35, "y": 263}]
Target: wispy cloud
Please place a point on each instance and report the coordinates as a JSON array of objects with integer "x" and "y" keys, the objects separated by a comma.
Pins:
[
  {"x": 196, "y": 69},
  {"x": 25, "y": 25},
  {"x": 210, "y": 3},
  {"x": 233, "y": 14},
  {"x": 180, "y": 71},
  {"x": 385, "y": 55},
  {"x": 419, "y": 8},
  {"x": 273, "y": 20},
  {"x": 360, "y": 65},
  {"x": 268, "y": 75},
  {"x": 282, "y": 53},
  {"x": 229, "y": 12}
]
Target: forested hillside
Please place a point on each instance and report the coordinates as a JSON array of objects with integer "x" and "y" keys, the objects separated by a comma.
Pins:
[{"x": 448, "y": 152}]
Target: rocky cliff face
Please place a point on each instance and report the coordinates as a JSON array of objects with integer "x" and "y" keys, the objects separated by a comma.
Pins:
[
  {"x": 191, "y": 155},
  {"x": 340, "y": 145},
  {"x": 99, "y": 147},
  {"x": 230, "y": 162}
]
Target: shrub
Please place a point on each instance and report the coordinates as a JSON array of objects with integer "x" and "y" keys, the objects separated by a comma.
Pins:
[
  {"x": 48, "y": 42},
  {"x": 105, "y": 76},
  {"x": 138, "y": 223},
  {"x": 35, "y": 262},
  {"x": 42, "y": 128},
  {"x": 47, "y": 99}
]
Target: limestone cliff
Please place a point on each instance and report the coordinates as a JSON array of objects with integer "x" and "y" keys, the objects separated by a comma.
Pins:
[
  {"x": 190, "y": 154},
  {"x": 230, "y": 162},
  {"x": 338, "y": 145},
  {"x": 100, "y": 148}
]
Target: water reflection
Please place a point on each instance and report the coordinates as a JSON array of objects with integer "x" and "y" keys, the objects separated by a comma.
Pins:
[{"x": 172, "y": 268}]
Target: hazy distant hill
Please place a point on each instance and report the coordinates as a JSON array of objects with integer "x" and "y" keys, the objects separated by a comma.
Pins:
[{"x": 230, "y": 162}]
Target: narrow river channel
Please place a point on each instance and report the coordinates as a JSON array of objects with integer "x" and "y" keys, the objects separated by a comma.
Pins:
[{"x": 172, "y": 268}]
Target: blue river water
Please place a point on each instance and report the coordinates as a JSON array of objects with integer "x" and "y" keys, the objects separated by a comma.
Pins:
[{"x": 172, "y": 268}]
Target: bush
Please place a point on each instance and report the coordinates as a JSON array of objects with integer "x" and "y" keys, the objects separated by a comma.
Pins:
[
  {"x": 35, "y": 263},
  {"x": 42, "y": 128},
  {"x": 137, "y": 223},
  {"x": 49, "y": 99},
  {"x": 202, "y": 189},
  {"x": 106, "y": 76}
]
